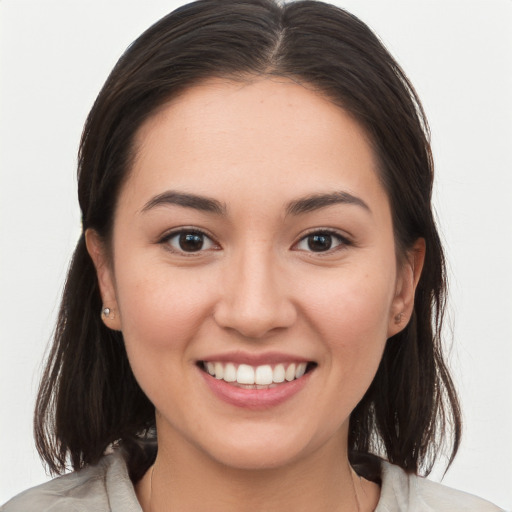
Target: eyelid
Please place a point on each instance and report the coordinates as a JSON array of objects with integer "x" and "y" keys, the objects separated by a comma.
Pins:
[
  {"x": 345, "y": 240},
  {"x": 165, "y": 238}
]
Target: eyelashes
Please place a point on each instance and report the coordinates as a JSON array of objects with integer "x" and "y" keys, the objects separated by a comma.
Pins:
[
  {"x": 189, "y": 241},
  {"x": 193, "y": 242},
  {"x": 322, "y": 241}
]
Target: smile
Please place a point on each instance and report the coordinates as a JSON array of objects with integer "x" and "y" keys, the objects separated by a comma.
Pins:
[
  {"x": 256, "y": 377},
  {"x": 255, "y": 381}
]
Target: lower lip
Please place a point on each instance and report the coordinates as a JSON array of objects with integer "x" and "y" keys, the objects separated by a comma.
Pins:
[{"x": 255, "y": 399}]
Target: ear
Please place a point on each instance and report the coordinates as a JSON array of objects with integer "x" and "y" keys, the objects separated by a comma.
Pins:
[
  {"x": 408, "y": 277},
  {"x": 98, "y": 253}
]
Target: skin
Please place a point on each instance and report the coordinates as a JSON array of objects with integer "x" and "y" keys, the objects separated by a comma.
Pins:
[{"x": 256, "y": 287}]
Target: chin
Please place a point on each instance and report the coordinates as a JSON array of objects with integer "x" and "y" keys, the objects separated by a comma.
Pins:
[
  {"x": 266, "y": 450},
  {"x": 257, "y": 459}
]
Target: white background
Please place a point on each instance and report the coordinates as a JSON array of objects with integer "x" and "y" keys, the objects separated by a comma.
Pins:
[{"x": 55, "y": 56}]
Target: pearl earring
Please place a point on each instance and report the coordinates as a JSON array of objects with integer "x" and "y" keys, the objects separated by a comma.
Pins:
[{"x": 106, "y": 312}]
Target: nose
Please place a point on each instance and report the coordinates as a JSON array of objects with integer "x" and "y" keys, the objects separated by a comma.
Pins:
[{"x": 254, "y": 297}]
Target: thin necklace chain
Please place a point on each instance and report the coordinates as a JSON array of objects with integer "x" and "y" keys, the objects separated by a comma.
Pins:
[
  {"x": 358, "y": 504},
  {"x": 151, "y": 489},
  {"x": 352, "y": 472}
]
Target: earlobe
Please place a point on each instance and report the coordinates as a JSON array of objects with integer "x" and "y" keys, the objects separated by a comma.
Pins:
[
  {"x": 98, "y": 253},
  {"x": 407, "y": 280}
]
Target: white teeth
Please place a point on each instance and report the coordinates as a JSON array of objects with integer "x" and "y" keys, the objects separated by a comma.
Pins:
[
  {"x": 230, "y": 373},
  {"x": 245, "y": 374},
  {"x": 219, "y": 371},
  {"x": 279, "y": 374},
  {"x": 263, "y": 375},
  {"x": 290, "y": 373},
  {"x": 300, "y": 371}
]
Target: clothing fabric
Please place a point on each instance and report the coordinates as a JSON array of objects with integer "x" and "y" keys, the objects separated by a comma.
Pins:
[{"x": 106, "y": 487}]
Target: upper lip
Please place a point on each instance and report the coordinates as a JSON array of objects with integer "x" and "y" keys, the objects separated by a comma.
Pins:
[{"x": 255, "y": 359}]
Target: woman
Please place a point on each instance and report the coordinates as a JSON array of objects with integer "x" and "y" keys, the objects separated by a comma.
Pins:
[{"x": 255, "y": 185}]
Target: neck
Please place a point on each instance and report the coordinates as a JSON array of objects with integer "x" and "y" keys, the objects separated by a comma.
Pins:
[{"x": 186, "y": 480}]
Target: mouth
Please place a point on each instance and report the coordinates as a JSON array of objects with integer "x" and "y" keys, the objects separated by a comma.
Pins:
[{"x": 266, "y": 376}]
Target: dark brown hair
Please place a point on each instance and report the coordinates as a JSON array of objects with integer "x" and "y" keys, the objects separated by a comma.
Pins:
[{"x": 88, "y": 396}]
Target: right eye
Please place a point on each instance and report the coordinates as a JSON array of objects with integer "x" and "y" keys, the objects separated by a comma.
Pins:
[
  {"x": 322, "y": 241},
  {"x": 189, "y": 241}
]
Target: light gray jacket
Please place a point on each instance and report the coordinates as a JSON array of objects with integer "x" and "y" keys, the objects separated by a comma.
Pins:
[{"x": 106, "y": 487}]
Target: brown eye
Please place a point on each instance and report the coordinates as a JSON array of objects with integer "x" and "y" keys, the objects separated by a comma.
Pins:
[
  {"x": 189, "y": 241},
  {"x": 322, "y": 241},
  {"x": 319, "y": 243}
]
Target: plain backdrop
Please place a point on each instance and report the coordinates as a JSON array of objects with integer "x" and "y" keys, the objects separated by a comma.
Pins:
[{"x": 55, "y": 56}]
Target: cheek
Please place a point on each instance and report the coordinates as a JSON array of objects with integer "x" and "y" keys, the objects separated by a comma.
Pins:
[
  {"x": 161, "y": 309},
  {"x": 351, "y": 308},
  {"x": 351, "y": 314}
]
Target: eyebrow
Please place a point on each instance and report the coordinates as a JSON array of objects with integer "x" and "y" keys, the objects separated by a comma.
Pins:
[
  {"x": 318, "y": 201},
  {"x": 201, "y": 203},
  {"x": 297, "y": 207}
]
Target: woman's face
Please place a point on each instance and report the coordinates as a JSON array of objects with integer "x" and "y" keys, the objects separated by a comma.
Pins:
[{"x": 253, "y": 239}]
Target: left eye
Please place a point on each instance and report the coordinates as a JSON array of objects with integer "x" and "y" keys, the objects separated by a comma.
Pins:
[
  {"x": 321, "y": 242},
  {"x": 190, "y": 241}
]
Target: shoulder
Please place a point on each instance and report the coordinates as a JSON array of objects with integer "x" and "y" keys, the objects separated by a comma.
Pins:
[
  {"x": 104, "y": 487},
  {"x": 404, "y": 492}
]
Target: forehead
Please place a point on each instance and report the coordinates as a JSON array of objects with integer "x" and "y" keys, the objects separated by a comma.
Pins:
[{"x": 221, "y": 135}]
